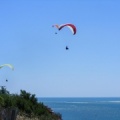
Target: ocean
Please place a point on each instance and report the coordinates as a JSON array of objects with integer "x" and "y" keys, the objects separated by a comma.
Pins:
[{"x": 85, "y": 108}]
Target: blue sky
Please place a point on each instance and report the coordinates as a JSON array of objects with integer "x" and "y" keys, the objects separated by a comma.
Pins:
[{"x": 91, "y": 66}]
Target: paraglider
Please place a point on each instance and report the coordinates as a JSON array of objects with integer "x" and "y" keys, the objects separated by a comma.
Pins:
[
  {"x": 8, "y": 65},
  {"x": 69, "y": 25}
]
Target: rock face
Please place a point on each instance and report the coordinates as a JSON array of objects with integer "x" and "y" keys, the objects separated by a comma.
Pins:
[
  {"x": 8, "y": 113},
  {"x": 13, "y": 114},
  {"x": 25, "y": 118}
]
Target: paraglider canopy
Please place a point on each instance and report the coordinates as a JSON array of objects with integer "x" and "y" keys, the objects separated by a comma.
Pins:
[
  {"x": 8, "y": 65},
  {"x": 69, "y": 25}
]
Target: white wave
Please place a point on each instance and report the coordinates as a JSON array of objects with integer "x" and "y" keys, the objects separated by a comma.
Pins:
[
  {"x": 77, "y": 102},
  {"x": 114, "y": 101}
]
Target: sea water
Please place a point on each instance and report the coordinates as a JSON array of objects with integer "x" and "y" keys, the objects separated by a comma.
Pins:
[{"x": 85, "y": 108}]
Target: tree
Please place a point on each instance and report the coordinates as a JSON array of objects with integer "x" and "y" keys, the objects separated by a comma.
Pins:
[{"x": 3, "y": 90}]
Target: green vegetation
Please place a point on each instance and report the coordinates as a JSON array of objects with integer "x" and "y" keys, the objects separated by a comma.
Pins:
[{"x": 27, "y": 105}]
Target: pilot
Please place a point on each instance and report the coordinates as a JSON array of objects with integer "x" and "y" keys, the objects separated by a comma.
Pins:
[{"x": 67, "y": 48}]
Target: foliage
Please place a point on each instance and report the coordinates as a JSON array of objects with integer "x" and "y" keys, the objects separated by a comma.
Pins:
[
  {"x": 1, "y": 101},
  {"x": 27, "y": 105}
]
